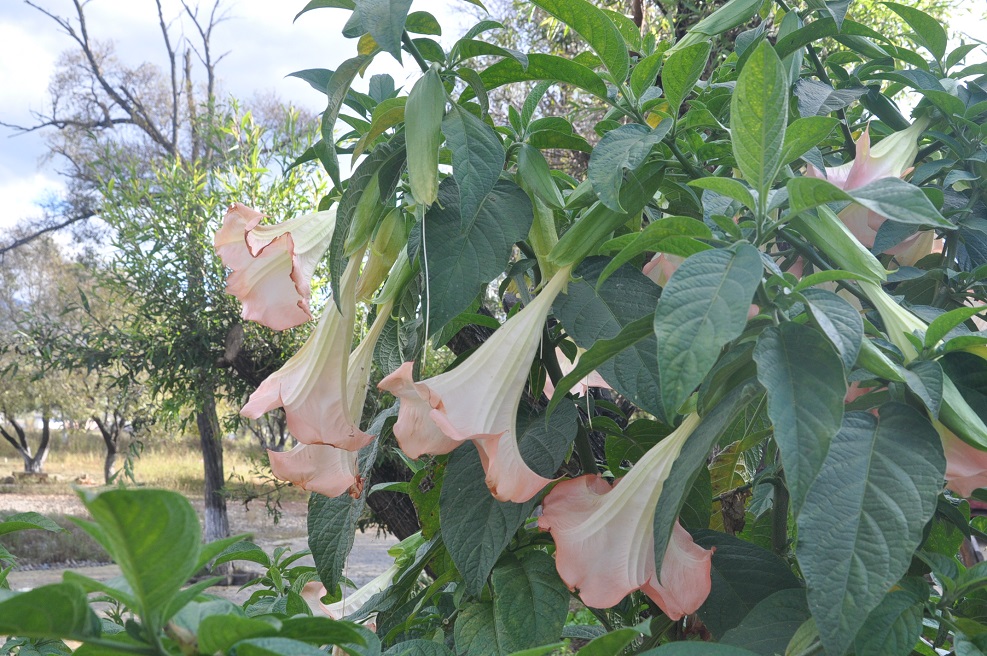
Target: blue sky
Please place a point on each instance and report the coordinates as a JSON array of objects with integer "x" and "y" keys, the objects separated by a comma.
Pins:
[{"x": 263, "y": 45}]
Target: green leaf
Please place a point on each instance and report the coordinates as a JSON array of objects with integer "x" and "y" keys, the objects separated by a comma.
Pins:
[
  {"x": 893, "y": 627},
  {"x": 805, "y": 133},
  {"x": 892, "y": 198},
  {"x": 819, "y": 99},
  {"x": 758, "y": 115},
  {"x": 927, "y": 30},
  {"x": 463, "y": 256},
  {"x": 477, "y": 159},
  {"x": 936, "y": 332},
  {"x": 612, "y": 322},
  {"x": 476, "y": 527},
  {"x": 336, "y": 91},
  {"x": 595, "y": 26},
  {"x": 924, "y": 379},
  {"x": 543, "y": 67},
  {"x": 470, "y": 48},
  {"x": 743, "y": 574},
  {"x": 839, "y": 321},
  {"x": 862, "y": 519},
  {"x": 326, "y": 4},
  {"x": 422, "y": 22},
  {"x": 545, "y": 139},
  {"x": 321, "y": 631},
  {"x": 331, "y": 532},
  {"x": 243, "y": 550},
  {"x": 28, "y": 520},
  {"x": 681, "y": 72},
  {"x": 533, "y": 169},
  {"x": 274, "y": 647},
  {"x": 218, "y": 633},
  {"x": 153, "y": 535},
  {"x": 386, "y": 115},
  {"x": 656, "y": 237},
  {"x": 703, "y": 307},
  {"x": 423, "y": 126},
  {"x": 384, "y": 20},
  {"x": 806, "y": 410},
  {"x": 611, "y": 643},
  {"x": 530, "y": 601},
  {"x": 645, "y": 73},
  {"x": 770, "y": 625},
  {"x": 419, "y": 648},
  {"x": 620, "y": 151},
  {"x": 728, "y": 187},
  {"x": 58, "y": 610}
]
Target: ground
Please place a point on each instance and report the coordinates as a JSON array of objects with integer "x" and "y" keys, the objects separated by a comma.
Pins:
[{"x": 368, "y": 558}]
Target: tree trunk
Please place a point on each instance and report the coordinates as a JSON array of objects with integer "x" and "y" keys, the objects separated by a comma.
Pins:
[
  {"x": 217, "y": 521},
  {"x": 111, "y": 438},
  {"x": 36, "y": 464}
]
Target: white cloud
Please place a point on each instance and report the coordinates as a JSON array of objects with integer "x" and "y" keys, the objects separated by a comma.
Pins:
[{"x": 22, "y": 195}]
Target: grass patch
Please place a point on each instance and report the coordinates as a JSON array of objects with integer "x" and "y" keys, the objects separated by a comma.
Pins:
[{"x": 36, "y": 547}]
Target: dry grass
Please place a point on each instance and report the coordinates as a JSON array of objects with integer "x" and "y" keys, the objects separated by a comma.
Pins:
[
  {"x": 73, "y": 545},
  {"x": 170, "y": 463}
]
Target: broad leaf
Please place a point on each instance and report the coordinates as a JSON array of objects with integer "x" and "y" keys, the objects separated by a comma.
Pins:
[
  {"x": 927, "y": 30},
  {"x": 462, "y": 257},
  {"x": 681, "y": 72},
  {"x": 28, "y": 520},
  {"x": 729, "y": 187},
  {"x": 703, "y": 307},
  {"x": 770, "y": 625},
  {"x": 805, "y": 408},
  {"x": 543, "y": 67},
  {"x": 758, "y": 115},
  {"x": 57, "y": 610},
  {"x": 895, "y": 625},
  {"x": 862, "y": 519},
  {"x": 153, "y": 535},
  {"x": 805, "y": 133},
  {"x": 595, "y": 26},
  {"x": 839, "y": 321},
  {"x": 819, "y": 99},
  {"x": 336, "y": 91},
  {"x": 619, "y": 151},
  {"x": 418, "y": 648},
  {"x": 530, "y": 601},
  {"x": 477, "y": 158},
  {"x": 892, "y": 198},
  {"x": 219, "y": 632},
  {"x": 384, "y": 20},
  {"x": 743, "y": 575}
]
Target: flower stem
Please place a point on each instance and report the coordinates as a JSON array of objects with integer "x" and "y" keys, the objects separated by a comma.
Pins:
[
  {"x": 413, "y": 50},
  {"x": 585, "y": 451},
  {"x": 779, "y": 518}
]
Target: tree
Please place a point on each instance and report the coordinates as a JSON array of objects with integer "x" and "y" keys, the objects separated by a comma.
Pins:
[{"x": 157, "y": 156}]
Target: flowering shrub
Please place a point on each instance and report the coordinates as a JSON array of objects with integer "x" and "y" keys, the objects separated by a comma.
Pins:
[{"x": 747, "y": 265}]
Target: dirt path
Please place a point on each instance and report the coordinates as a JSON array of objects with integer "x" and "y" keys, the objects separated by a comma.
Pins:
[{"x": 368, "y": 558}]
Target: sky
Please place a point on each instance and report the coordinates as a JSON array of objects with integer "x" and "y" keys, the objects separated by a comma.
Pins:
[{"x": 262, "y": 44}]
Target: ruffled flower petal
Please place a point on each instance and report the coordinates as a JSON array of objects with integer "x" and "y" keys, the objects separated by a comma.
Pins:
[
  {"x": 479, "y": 400},
  {"x": 685, "y": 576},
  {"x": 604, "y": 535},
  {"x": 581, "y": 388},
  {"x": 319, "y": 468},
  {"x": 966, "y": 466},
  {"x": 273, "y": 265},
  {"x": 314, "y": 387}
]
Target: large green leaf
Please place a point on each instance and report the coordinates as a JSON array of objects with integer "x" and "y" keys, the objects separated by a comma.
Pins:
[
  {"x": 58, "y": 610},
  {"x": 697, "y": 648},
  {"x": 153, "y": 535},
  {"x": 703, "y": 307},
  {"x": 419, "y": 648},
  {"x": 462, "y": 257},
  {"x": 476, "y": 527},
  {"x": 928, "y": 31},
  {"x": 805, "y": 133},
  {"x": 28, "y": 520},
  {"x": 218, "y": 633},
  {"x": 743, "y": 574},
  {"x": 331, "y": 532},
  {"x": 895, "y": 625},
  {"x": 590, "y": 315},
  {"x": 805, "y": 383},
  {"x": 758, "y": 115},
  {"x": 892, "y": 198},
  {"x": 385, "y": 19},
  {"x": 864, "y": 514},
  {"x": 619, "y": 151},
  {"x": 336, "y": 91},
  {"x": 423, "y": 126},
  {"x": 477, "y": 158},
  {"x": 839, "y": 321},
  {"x": 770, "y": 625},
  {"x": 681, "y": 72},
  {"x": 595, "y": 26},
  {"x": 543, "y": 67},
  {"x": 530, "y": 600}
]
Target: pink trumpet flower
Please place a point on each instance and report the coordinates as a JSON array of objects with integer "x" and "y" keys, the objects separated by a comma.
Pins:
[
  {"x": 892, "y": 157},
  {"x": 581, "y": 388},
  {"x": 479, "y": 401},
  {"x": 604, "y": 536},
  {"x": 326, "y": 469},
  {"x": 314, "y": 386},
  {"x": 273, "y": 264},
  {"x": 966, "y": 465}
]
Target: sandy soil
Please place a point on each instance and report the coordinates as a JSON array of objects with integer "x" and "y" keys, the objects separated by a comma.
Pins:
[{"x": 368, "y": 558}]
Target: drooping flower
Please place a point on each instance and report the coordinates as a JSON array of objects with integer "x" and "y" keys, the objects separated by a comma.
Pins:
[
  {"x": 479, "y": 401},
  {"x": 314, "y": 386},
  {"x": 273, "y": 264},
  {"x": 661, "y": 267},
  {"x": 319, "y": 468},
  {"x": 966, "y": 465},
  {"x": 604, "y": 535},
  {"x": 891, "y": 158}
]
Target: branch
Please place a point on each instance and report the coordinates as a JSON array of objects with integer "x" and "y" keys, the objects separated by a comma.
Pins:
[
  {"x": 174, "y": 77},
  {"x": 17, "y": 243}
]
